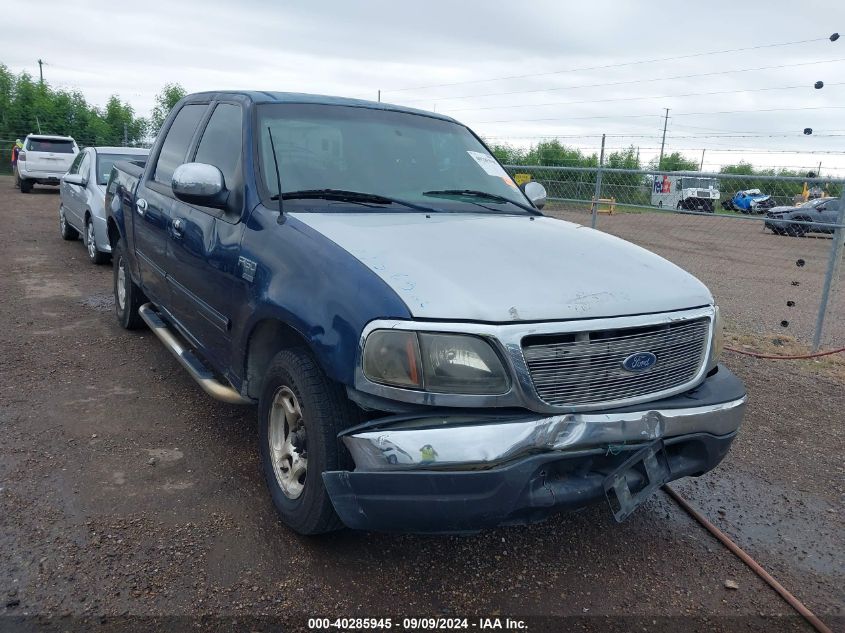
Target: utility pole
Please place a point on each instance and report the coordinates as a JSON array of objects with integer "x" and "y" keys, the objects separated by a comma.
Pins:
[
  {"x": 41, "y": 70},
  {"x": 125, "y": 135},
  {"x": 597, "y": 195},
  {"x": 701, "y": 165},
  {"x": 38, "y": 123},
  {"x": 663, "y": 142},
  {"x": 819, "y": 170},
  {"x": 379, "y": 96}
]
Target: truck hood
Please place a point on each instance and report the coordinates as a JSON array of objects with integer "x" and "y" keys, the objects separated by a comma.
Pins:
[{"x": 499, "y": 268}]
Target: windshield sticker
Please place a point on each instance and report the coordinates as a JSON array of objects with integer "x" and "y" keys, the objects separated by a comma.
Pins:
[{"x": 491, "y": 167}]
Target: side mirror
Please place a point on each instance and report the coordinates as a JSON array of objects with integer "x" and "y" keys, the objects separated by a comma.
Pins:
[
  {"x": 75, "y": 179},
  {"x": 201, "y": 184},
  {"x": 535, "y": 192}
]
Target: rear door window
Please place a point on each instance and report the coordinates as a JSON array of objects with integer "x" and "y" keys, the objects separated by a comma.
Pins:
[
  {"x": 74, "y": 167},
  {"x": 176, "y": 143},
  {"x": 56, "y": 146}
]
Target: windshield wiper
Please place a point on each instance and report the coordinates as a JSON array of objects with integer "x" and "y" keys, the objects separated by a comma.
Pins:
[
  {"x": 342, "y": 195},
  {"x": 481, "y": 194}
]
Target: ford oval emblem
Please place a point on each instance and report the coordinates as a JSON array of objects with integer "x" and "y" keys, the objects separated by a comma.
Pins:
[{"x": 639, "y": 361}]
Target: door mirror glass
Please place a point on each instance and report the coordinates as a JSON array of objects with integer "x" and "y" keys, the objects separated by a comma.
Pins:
[
  {"x": 536, "y": 193},
  {"x": 199, "y": 183}
]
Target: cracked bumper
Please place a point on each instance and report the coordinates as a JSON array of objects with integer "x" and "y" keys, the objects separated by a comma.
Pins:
[{"x": 465, "y": 472}]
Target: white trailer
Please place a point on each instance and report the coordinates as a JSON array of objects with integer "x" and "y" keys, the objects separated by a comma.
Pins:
[{"x": 685, "y": 192}]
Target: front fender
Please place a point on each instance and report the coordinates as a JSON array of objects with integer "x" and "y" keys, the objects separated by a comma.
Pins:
[{"x": 306, "y": 281}]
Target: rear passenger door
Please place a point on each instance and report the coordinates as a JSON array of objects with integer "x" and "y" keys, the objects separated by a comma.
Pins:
[
  {"x": 204, "y": 252},
  {"x": 152, "y": 219},
  {"x": 67, "y": 190},
  {"x": 76, "y": 193}
]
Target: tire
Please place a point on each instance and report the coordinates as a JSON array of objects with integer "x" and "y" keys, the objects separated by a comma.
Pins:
[
  {"x": 96, "y": 256},
  {"x": 126, "y": 308},
  {"x": 26, "y": 185},
  {"x": 66, "y": 230},
  {"x": 796, "y": 230},
  {"x": 300, "y": 413},
  {"x": 679, "y": 206}
]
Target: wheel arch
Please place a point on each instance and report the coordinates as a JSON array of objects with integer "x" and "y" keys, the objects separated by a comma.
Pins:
[
  {"x": 267, "y": 338},
  {"x": 113, "y": 231}
]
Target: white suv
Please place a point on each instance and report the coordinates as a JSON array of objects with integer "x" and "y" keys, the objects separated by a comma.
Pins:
[{"x": 44, "y": 159}]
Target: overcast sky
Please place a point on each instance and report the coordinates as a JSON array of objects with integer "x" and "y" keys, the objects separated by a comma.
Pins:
[{"x": 351, "y": 48}]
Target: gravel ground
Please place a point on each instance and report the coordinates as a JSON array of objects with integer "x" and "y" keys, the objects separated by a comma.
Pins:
[{"x": 126, "y": 493}]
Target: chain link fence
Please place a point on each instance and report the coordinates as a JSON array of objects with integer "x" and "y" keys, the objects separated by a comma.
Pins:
[{"x": 769, "y": 248}]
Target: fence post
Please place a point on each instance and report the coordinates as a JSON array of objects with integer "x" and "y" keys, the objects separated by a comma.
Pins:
[
  {"x": 832, "y": 272},
  {"x": 597, "y": 195}
]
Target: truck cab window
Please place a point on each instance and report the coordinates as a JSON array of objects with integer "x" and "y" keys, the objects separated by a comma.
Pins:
[
  {"x": 221, "y": 142},
  {"x": 176, "y": 143}
]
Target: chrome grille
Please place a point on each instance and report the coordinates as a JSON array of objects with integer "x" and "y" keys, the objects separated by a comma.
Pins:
[
  {"x": 703, "y": 194},
  {"x": 585, "y": 368}
]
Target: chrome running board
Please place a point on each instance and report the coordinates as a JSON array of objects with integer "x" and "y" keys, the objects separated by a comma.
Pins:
[{"x": 189, "y": 361}]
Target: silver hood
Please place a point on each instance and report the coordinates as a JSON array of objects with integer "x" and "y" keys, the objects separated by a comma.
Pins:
[{"x": 500, "y": 268}]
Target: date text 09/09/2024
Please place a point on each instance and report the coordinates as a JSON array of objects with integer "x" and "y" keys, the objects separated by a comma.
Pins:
[{"x": 417, "y": 624}]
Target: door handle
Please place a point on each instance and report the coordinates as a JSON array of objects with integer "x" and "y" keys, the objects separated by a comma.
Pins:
[
  {"x": 141, "y": 206},
  {"x": 178, "y": 227}
]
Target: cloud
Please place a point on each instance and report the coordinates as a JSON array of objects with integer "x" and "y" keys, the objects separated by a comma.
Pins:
[{"x": 359, "y": 48}]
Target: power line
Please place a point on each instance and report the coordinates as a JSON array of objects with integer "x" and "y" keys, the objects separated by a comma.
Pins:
[
  {"x": 636, "y": 116},
  {"x": 631, "y": 81},
  {"x": 606, "y": 66},
  {"x": 678, "y": 96}
]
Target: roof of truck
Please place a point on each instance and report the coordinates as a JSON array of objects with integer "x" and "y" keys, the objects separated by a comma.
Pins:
[{"x": 300, "y": 97}]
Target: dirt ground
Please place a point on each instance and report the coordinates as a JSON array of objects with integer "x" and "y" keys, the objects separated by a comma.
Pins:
[
  {"x": 760, "y": 280},
  {"x": 128, "y": 496}
]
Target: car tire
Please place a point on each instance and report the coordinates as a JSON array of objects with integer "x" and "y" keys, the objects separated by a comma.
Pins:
[
  {"x": 796, "y": 230},
  {"x": 26, "y": 185},
  {"x": 94, "y": 254},
  {"x": 128, "y": 297},
  {"x": 66, "y": 230},
  {"x": 300, "y": 413}
]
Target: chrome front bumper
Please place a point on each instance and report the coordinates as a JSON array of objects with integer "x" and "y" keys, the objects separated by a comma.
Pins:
[{"x": 455, "y": 442}]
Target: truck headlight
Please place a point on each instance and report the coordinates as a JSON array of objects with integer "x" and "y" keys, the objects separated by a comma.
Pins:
[
  {"x": 441, "y": 363},
  {"x": 718, "y": 342}
]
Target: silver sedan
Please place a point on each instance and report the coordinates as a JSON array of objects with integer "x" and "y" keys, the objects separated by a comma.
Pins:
[{"x": 83, "y": 191}]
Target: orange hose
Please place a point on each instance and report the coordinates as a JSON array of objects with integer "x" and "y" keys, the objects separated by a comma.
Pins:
[
  {"x": 745, "y": 558},
  {"x": 776, "y": 357}
]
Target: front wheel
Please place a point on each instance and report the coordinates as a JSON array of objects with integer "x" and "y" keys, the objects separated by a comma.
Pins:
[
  {"x": 128, "y": 297},
  {"x": 94, "y": 254},
  {"x": 300, "y": 412}
]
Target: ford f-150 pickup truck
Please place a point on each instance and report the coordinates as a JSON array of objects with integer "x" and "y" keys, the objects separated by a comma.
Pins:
[{"x": 427, "y": 351}]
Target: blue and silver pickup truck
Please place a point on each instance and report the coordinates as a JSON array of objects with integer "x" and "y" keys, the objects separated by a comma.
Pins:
[{"x": 427, "y": 351}]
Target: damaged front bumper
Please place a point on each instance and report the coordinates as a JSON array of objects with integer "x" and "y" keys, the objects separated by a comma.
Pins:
[{"x": 464, "y": 472}]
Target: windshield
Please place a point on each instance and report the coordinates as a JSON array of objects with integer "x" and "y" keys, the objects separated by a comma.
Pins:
[
  {"x": 699, "y": 183},
  {"x": 397, "y": 155},
  {"x": 106, "y": 161}
]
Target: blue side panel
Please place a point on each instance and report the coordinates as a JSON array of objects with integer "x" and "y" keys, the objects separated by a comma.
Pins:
[{"x": 314, "y": 286}]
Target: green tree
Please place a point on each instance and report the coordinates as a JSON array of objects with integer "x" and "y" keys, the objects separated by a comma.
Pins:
[
  {"x": 674, "y": 162},
  {"x": 165, "y": 100}
]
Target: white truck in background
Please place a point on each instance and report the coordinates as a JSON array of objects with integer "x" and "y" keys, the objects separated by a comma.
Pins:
[{"x": 689, "y": 193}]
